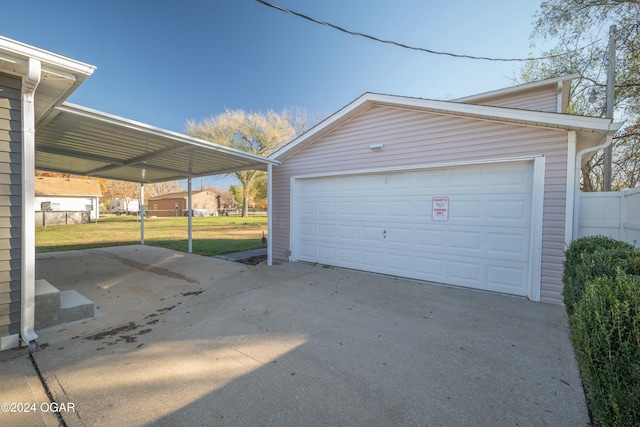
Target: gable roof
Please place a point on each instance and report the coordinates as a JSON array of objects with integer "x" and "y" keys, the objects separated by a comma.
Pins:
[
  {"x": 49, "y": 186},
  {"x": 591, "y": 129}
]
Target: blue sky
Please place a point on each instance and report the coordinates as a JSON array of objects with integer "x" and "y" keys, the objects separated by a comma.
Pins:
[{"x": 163, "y": 62}]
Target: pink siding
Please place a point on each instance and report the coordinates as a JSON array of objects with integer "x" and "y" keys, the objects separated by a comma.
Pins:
[
  {"x": 414, "y": 138},
  {"x": 538, "y": 99}
]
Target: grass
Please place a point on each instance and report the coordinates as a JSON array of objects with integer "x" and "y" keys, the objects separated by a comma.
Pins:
[{"x": 211, "y": 235}]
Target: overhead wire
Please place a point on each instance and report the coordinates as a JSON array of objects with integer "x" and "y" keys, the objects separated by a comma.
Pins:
[{"x": 405, "y": 46}]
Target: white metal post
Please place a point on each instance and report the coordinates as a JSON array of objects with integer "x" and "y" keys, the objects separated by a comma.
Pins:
[
  {"x": 141, "y": 213},
  {"x": 269, "y": 214},
  {"x": 189, "y": 215}
]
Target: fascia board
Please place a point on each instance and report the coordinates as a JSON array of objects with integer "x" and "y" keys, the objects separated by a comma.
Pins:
[
  {"x": 507, "y": 115},
  {"x": 518, "y": 88},
  {"x": 19, "y": 53},
  {"x": 327, "y": 125},
  {"x": 526, "y": 117}
]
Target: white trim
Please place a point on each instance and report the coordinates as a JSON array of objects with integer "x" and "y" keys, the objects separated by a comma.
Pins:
[
  {"x": 30, "y": 83},
  {"x": 18, "y": 53},
  {"x": 537, "y": 207},
  {"x": 518, "y": 88},
  {"x": 535, "y": 237},
  {"x": 559, "y": 97},
  {"x": 499, "y": 114},
  {"x": 418, "y": 167},
  {"x": 572, "y": 139}
]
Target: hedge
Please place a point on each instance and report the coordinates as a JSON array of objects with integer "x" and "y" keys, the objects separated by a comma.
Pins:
[
  {"x": 591, "y": 257},
  {"x": 602, "y": 297},
  {"x": 605, "y": 330}
]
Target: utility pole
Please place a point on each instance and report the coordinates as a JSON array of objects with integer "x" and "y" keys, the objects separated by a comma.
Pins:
[{"x": 611, "y": 85}]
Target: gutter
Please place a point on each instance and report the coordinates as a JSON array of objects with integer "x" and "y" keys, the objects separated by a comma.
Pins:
[
  {"x": 30, "y": 82},
  {"x": 608, "y": 137}
]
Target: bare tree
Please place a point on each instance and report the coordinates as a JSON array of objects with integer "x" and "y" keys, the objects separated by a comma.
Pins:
[
  {"x": 581, "y": 30},
  {"x": 256, "y": 133}
]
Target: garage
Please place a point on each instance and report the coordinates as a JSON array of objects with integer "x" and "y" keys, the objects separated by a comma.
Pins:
[
  {"x": 478, "y": 192},
  {"x": 465, "y": 225}
]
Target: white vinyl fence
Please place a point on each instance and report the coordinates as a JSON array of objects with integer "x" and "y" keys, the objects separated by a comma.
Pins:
[{"x": 615, "y": 214}]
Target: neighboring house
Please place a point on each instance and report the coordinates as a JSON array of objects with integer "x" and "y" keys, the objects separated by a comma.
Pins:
[
  {"x": 477, "y": 192},
  {"x": 68, "y": 194},
  {"x": 176, "y": 204}
]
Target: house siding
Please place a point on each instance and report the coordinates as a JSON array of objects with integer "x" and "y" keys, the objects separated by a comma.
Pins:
[
  {"x": 10, "y": 204},
  {"x": 538, "y": 99},
  {"x": 414, "y": 139}
]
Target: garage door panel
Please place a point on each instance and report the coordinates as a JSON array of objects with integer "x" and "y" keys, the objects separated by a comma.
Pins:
[
  {"x": 326, "y": 231},
  {"x": 508, "y": 279},
  {"x": 508, "y": 245},
  {"x": 433, "y": 269},
  {"x": 482, "y": 243},
  {"x": 372, "y": 260},
  {"x": 349, "y": 209}
]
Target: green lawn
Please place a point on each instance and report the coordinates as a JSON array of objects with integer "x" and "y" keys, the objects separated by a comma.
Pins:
[{"x": 211, "y": 235}]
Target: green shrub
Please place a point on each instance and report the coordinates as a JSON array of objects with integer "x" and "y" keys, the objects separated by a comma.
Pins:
[
  {"x": 605, "y": 330},
  {"x": 591, "y": 257}
]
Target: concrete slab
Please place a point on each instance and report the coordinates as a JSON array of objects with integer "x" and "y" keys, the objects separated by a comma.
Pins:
[
  {"x": 238, "y": 256},
  {"x": 189, "y": 340}
]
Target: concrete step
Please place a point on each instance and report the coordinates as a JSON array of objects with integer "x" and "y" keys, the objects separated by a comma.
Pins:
[
  {"x": 47, "y": 304},
  {"x": 54, "y": 307},
  {"x": 74, "y": 306}
]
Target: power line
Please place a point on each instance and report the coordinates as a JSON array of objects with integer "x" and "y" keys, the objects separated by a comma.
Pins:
[{"x": 421, "y": 49}]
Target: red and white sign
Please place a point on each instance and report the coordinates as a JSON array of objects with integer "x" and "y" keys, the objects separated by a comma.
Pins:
[{"x": 440, "y": 209}]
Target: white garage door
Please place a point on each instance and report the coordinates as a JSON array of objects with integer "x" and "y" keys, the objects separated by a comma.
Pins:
[{"x": 466, "y": 226}]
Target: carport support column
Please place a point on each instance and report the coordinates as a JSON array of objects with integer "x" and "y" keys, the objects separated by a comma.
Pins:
[
  {"x": 141, "y": 213},
  {"x": 269, "y": 213},
  {"x": 189, "y": 216}
]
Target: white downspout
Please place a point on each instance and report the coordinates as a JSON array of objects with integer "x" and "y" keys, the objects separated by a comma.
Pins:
[
  {"x": 269, "y": 214},
  {"x": 28, "y": 252},
  {"x": 578, "y": 167}
]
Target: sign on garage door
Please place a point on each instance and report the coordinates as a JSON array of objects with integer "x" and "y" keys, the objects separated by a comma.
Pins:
[{"x": 477, "y": 236}]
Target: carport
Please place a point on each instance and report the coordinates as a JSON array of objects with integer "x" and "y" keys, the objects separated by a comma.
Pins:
[
  {"x": 82, "y": 141},
  {"x": 39, "y": 129}
]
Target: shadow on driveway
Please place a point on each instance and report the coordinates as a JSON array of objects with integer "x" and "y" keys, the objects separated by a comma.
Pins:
[{"x": 186, "y": 340}]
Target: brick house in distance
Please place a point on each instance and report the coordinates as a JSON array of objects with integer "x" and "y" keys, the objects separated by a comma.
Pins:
[{"x": 175, "y": 204}]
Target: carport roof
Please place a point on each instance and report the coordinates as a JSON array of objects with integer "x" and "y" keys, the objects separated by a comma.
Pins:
[{"x": 82, "y": 141}]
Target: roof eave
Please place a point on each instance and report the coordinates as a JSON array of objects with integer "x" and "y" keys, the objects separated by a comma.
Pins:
[{"x": 506, "y": 115}]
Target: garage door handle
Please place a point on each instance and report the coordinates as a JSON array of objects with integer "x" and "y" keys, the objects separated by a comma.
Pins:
[{"x": 384, "y": 234}]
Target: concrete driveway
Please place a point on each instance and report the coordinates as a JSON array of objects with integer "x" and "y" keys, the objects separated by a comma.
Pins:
[{"x": 186, "y": 340}]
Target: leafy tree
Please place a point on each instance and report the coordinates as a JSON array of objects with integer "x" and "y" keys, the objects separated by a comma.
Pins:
[
  {"x": 256, "y": 133},
  {"x": 581, "y": 29}
]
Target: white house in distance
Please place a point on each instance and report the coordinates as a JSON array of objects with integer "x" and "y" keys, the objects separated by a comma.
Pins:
[{"x": 68, "y": 194}]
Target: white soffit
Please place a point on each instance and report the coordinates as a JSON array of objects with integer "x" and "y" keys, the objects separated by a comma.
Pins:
[{"x": 86, "y": 142}]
